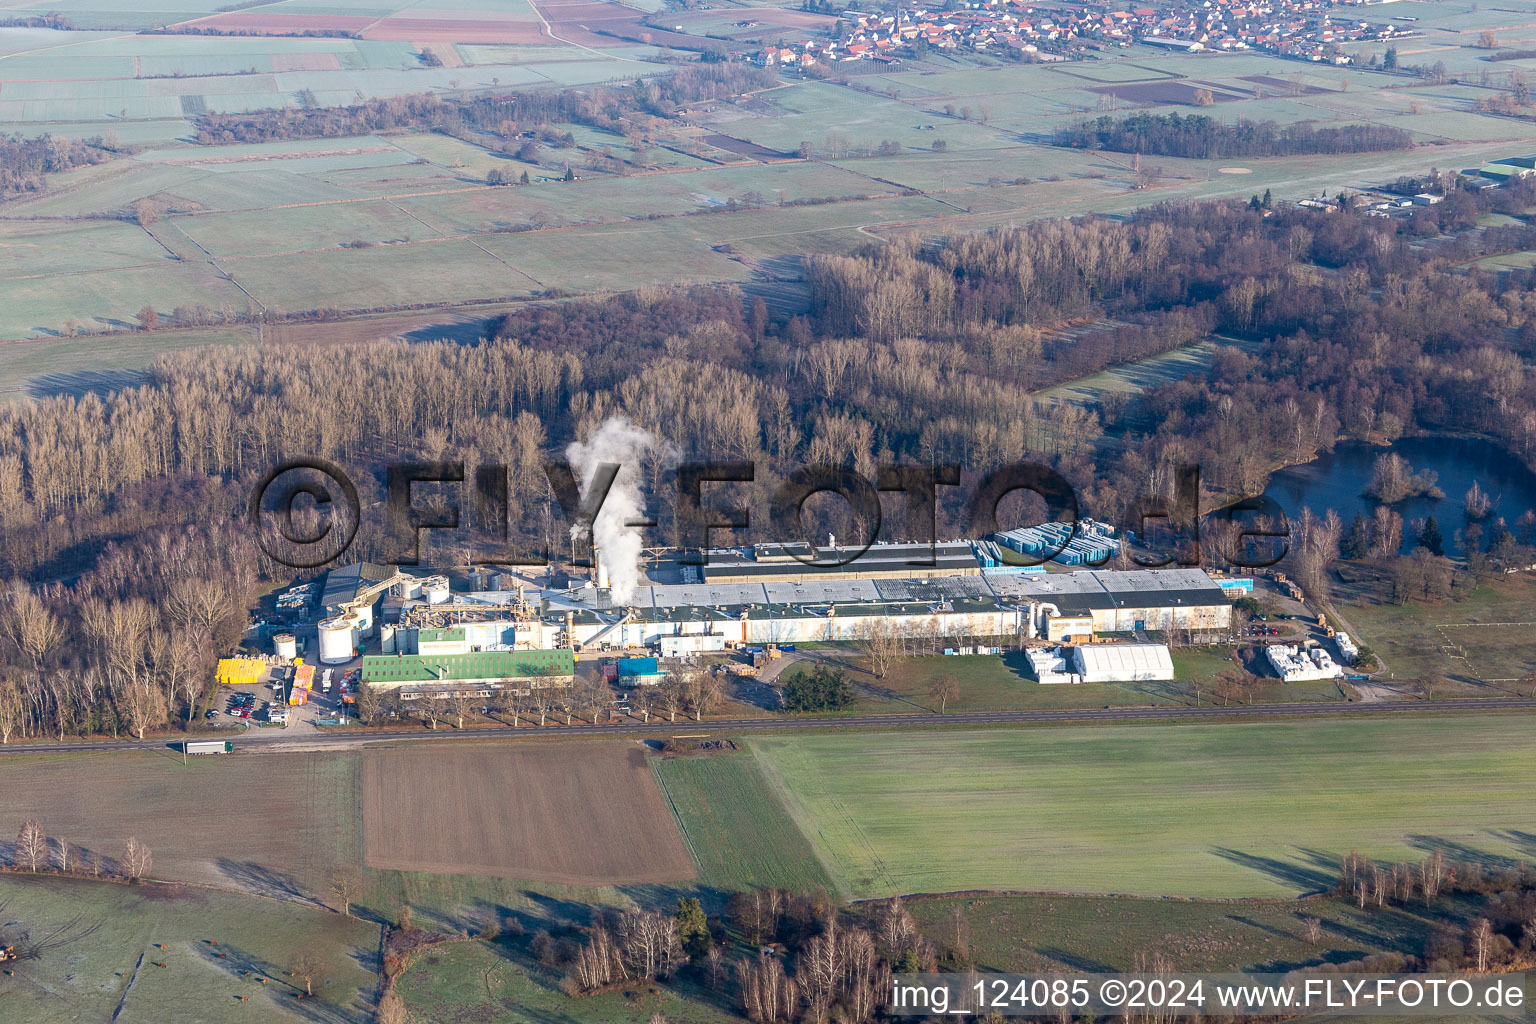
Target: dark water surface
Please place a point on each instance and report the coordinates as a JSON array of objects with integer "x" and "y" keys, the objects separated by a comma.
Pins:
[{"x": 1336, "y": 481}]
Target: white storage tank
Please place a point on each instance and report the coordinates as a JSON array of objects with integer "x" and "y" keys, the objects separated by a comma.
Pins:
[
  {"x": 386, "y": 638},
  {"x": 335, "y": 641},
  {"x": 285, "y": 645},
  {"x": 364, "y": 616},
  {"x": 436, "y": 589},
  {"x": 409, "y": 588}
]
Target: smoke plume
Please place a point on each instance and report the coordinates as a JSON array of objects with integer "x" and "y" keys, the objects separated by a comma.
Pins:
[{"x": 618, "y": 545}]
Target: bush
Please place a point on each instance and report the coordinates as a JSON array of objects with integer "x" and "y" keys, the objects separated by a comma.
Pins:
[{"x": 823, "y": 688}]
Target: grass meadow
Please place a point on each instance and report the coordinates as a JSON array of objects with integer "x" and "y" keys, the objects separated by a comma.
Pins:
[
  {"x": 108, "y": 940},
  {"x": 735, "y": 827},
  {"x": 1221, "y": 810}
]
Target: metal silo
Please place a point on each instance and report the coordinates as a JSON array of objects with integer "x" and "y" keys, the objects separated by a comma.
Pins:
[
  {"x": 335, "y": 641},
  {"x": 285, "y": 645},
  {"x": 363, "y": 613}
]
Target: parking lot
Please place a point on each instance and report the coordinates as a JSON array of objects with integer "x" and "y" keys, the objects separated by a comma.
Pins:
[{"x": 263, "y": 710}]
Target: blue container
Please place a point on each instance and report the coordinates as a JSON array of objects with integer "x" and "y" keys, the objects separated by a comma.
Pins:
[{"x": 637, "y": 666}]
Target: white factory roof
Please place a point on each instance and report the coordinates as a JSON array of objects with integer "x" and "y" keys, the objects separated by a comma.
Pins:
[{"x": 1076, "y": 592}]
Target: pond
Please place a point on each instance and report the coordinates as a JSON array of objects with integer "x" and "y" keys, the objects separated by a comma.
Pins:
[{"x": 1337, "y": 481}]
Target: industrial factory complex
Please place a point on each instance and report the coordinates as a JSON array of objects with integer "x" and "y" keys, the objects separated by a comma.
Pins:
[{"x": 414, "y": 628}]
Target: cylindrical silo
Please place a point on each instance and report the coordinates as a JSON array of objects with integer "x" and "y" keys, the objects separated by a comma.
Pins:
[
  {"x": 436, "y": 589},
  {"x": 364, "y": 615},
  {"x": 409, "y": 588},
  {"x": 285, "y": 645},
  {"x": 335, "y": 641},
  {"x": 386, "y": 638}
]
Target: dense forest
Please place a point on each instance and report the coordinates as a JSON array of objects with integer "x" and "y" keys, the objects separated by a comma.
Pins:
[
  {"x": 927, "y": 351},
  {"x": 24, "y": 162},
  {"x": 1204, "y": 138},
  {"x": 604, "y": 107}
]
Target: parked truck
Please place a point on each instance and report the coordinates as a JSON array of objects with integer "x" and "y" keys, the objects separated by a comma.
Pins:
[{"x": 208, "y": 747}]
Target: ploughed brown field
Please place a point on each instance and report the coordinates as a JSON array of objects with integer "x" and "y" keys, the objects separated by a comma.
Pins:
[
  {"x": 456, "y": 30},
  {"x": 275, "y": 825},
  {"x": 572, "y": 813}
]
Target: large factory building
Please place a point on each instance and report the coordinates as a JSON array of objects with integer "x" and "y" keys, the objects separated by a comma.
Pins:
[{"x": 422, "y": 619}]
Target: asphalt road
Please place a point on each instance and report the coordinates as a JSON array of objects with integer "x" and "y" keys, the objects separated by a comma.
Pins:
[{"x": 687, "y": 727}]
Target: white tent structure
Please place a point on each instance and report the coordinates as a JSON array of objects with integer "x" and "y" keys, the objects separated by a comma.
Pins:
[{"x": 1122, "y": 663}]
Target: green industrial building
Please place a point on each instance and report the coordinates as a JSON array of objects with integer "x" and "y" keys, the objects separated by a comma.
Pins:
[{"x": 481, "y": 670}]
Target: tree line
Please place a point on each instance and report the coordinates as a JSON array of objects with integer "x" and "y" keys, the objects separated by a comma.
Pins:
[
  {"x": 36, "y": 852},
  {"x": 1199, "y": 137},
  {"x": 603, "y": 107}
]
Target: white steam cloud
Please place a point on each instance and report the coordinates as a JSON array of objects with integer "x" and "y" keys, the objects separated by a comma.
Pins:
[{"x": 618, "y": 544}]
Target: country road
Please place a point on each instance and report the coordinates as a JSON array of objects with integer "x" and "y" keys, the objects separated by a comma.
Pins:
[{"x": 362, "y": 735}]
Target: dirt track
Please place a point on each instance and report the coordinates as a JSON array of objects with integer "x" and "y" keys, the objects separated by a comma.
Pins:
[{"x": 574, "y": 814}]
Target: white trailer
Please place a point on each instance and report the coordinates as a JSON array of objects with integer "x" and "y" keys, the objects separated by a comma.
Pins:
[
  {"x": 190, "y": 747},
  {"x": 208, "y": 747}
]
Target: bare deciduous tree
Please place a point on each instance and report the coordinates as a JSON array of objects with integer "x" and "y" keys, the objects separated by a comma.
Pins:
[
  {"x": 306, "y": 965},
  {"x": 137, "y": 858},
  {"x": 31, "y": 845},
  {"x": 345, "y": 885},
  {"x": 1313, "y": 929},
  {"x": 945, "y": 688},
  {"x": 12, "y": 706},
  {"x": 1480, "y": 942}
]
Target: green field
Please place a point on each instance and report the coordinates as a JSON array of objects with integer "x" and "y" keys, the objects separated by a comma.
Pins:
[
  {"x": 107, "y": 944},
  {"x": 738, "y": 832},
  {"x": 76, "y": 365},
  {"x": 1226, "y": 810},
  {"x": 500, "y": 983}
]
